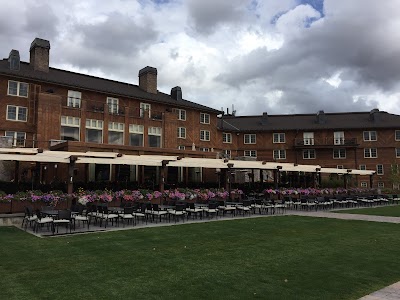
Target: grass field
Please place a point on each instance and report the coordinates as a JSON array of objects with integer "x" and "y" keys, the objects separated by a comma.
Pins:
[
  {"x": 283, "y": 257},
  {"x": 390, "y": 211}
]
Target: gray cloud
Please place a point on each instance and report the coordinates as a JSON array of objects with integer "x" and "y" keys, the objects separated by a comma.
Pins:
[{"x": 207, "y": 15}]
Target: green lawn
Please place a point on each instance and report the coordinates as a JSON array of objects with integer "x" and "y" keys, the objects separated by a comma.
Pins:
[
  {"x": 391, "y": 211},
  {"x": 284, "y": 257}
]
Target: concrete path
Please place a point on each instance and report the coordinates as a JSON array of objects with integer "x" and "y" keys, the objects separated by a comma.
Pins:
[
  {"x": 325, "y": 214},
  {"x": 392, "y": 292}
]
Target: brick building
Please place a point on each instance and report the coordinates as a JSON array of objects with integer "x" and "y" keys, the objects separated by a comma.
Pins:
[{"x": 48, "y": 108}]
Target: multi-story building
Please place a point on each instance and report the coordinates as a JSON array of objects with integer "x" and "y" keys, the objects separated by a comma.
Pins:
[{"x": 49, "y": 108}]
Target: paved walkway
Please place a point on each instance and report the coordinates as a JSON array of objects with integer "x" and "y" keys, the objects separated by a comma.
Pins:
[
  {"x": 392, "y": 292},
  {"x": 325, "y": 214}
]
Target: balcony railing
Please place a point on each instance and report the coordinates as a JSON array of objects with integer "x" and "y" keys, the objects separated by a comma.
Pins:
[{"x": 311, "y": 142}]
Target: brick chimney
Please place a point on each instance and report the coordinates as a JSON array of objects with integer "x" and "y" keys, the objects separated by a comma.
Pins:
[
  {"x": 148, "y": 79},
  {"x": 39, "y": 58}
]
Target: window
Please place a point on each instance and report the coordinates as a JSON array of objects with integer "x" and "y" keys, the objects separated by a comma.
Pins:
[
  {"x": 204, "y": 135},
  {"x": 338, "y": 137},
  {"x": 136, "y": 133},
  {"x": 16, "y": 88},
  {"x": 364, "y": 184},
  {"x": 369, "y": 135},
  {"x": 309, "y": 154},
  {"x": 249, "y": 138},
  {"x": 381, "y": 185},
  {"x": 112, "y": 105},
  {"x": 397, "y": 152},
  {"x": 227, "y": 154},
  {"x": 116, "y": 133},
  {"x": 226, "y": 137},
  {"x": 17, "y": 113},
  {"x": 94, "y": 131},
  {"x": 204, "y": 118},
  {"x": 363, "y": 167},
  {"x": 145, "y": 107},
  {"x": 70, "y": 128},
  {"x": 397, "y": 135},
  {"x": 181, "y": 114},
  {"x": 279, "y": 138},
  {"x": 396, "y": 186},
  {"x": 339, "y": 153},
  {"x": 74, "y": 99},
  {"x": 181, "y": 132},
  {"x": 204, "y": 149},
  {"x": 280, "y": 154},
  {"x": 379, "y": 169},
  {"x": 395, "y": 169},
  {"x": 18, "y": 138},
  {"x": 154, "y": 137},
  {"x": 181, "y": 147},
  {"x": 370, "y": 153},
  {"x": 308, "y": 138},
  {"x": 250, "y": 153}
]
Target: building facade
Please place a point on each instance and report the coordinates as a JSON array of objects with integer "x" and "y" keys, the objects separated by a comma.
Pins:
[{"x": 48, "y": 108}]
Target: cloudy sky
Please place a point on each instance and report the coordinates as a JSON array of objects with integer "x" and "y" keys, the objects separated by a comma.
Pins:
[{"x": 275, "y": 56}]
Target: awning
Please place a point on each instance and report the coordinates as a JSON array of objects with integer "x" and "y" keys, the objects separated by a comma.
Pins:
[
  {"x": 199, "y": 163},
  {"x": 333, "y": 171},
  {"x": 33, "y": 158}
]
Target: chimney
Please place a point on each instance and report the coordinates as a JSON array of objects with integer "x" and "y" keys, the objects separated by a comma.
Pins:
[
  {"x": 39, "y": 58},
  {"x": 176, "y": 93},
  {"x": 264, "y": 118},
  {"x": 373, "y": 115},
  {"x": 321, "y": 117},
  {"x": 148, "y": 79},
  {"x": 14, "y": 60}
]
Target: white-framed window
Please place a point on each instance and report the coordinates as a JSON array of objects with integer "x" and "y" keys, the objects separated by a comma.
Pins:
[
  {"x": 154, "y": 134},
  {"x": 181, "y": 114},
  {"x": 396, "y": 186},
  {"x": 379, "y": 169},
  {"x": 309, "y": 154},
  {"x": 17, "y": 113},
  {"x": 204, "y": 118},
  {"x": 397, "y": 135},
  {"x": 227, "y": 153},
  {"x": 74, "y": 99},
  {"x": 181, "y": 147},
  {"x": 338, "y": 137},
  {"x": 136, "y": 135},
  {"x": 363, "y": 167},
  {"x": 250, "y": 153},
  {"x": 70, "y": 128},
  {"x": 279, "y": 154},
  {"x": 369, "y": 136},
  {"x": 397, "y": 152},
  {"x": 116, "y": 133},
  {"x": 112, "y": 105},
  {"x": 278, "y": 138},
  {"x": 94, "y": 131},
  {"x": 339, "y": 153},
  {"x": 18, "y": 138},
  {"x": 250, "y": 138},
  {"x": 370, "y": 153},
  {"x": 145, "y": 107},
  {"x": 381, "y": 185},
  {"x": 308, "y": 138},
  {"x": 204, "y": 135},
  {"x": 364, "y": 184},
  {"x": 227, "y": 137},
  {"x": 204, "y": 149},
  {"x": 181, "y": 132},
  {"x": 16, "y": 88}
]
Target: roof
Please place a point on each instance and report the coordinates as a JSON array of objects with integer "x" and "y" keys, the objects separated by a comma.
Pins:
[
  {"x": 87, "y": 82},
  {"x": 329, "y": 121}
]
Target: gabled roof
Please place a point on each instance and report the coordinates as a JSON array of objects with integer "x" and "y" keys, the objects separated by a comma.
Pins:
[
  {"x": 87, "y": 82},
  {"x": 330, "y": 121}
]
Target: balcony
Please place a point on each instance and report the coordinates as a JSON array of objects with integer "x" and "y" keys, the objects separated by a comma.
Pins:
[{"x": 325, "y": 143}]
